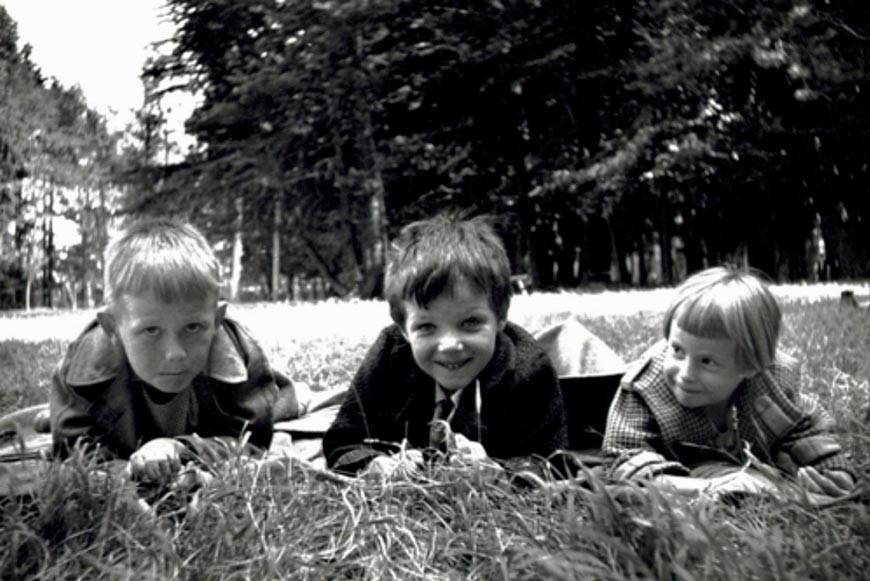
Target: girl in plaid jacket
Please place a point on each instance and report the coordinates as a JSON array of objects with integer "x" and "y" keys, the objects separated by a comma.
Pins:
[{"x": 716, "y": 395}]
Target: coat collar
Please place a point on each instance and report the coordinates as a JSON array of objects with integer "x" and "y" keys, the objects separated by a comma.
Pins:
[{"x": 99, "y": 357}]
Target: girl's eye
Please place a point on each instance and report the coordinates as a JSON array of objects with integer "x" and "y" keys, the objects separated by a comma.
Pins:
[
  {"x": 709, "y": 362},
  {"x": 151, "y": 331},
  {"x": 676, "y": 350},
  {"x": 424, "y": 327}
]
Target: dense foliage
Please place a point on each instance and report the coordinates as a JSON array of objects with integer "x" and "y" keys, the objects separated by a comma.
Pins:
[
  {"x": 627, "y": 141},
  {"x": 592, "y": 129},
  {"x": 56, "y": 158}
]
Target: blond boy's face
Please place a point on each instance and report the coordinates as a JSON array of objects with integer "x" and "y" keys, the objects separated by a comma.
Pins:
[
  {"x": 453, "y": 338},
  {"x": 167, "y": 344}
]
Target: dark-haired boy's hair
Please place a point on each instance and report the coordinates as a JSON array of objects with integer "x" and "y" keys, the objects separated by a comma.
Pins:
[{"x": 431, "y": 256}]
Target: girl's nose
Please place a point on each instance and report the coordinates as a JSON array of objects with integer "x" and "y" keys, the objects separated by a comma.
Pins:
[{"x": 687, "y": 370}]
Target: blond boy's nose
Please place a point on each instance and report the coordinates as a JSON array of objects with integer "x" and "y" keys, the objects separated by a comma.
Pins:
[{"x": 175, "y": 350}]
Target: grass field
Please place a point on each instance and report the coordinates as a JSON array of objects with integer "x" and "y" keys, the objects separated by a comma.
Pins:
[{"x": 448, "y": 523}]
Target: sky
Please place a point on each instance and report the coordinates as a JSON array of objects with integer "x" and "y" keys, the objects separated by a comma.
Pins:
[{"x": 99, "y": 45}]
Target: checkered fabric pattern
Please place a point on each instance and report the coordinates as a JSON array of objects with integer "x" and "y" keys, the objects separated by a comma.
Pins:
[{"x": 650, "y": 433}]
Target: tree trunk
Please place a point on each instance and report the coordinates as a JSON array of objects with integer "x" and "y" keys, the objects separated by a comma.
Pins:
[
  {"x": 238, "y": 251},
  {"x": 48, "y": 247},
  {"x": 276, "y": 245}
]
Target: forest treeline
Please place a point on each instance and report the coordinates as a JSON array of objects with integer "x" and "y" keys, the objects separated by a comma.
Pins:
[{"x": 626, "y": 142}]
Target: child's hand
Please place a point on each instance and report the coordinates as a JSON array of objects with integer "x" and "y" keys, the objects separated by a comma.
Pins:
[
  {"x": 159, "y": 459},
  {"x": 465, "y": 452},
  {"x": 406, "y": 463},
  {"x": 828, "y": 482}
]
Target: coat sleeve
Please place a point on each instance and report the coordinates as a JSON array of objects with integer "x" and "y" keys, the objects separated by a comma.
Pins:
[
  {"x": 799, "y": 429},
  {"x": 71, "y": 421},
  {"x": 632, "y": 439},
  {"x": 541, "y": 412},
  {"x": 344, "y": 444},
  {"x": 809, "y": 441},
  {"x": 253, "y": 402}
]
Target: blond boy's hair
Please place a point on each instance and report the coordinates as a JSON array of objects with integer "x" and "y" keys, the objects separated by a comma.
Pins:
[
  {"x": 431, "y": 256},
  {"x": 725, "y": 302},
  {"x": 170, "y": 258}
]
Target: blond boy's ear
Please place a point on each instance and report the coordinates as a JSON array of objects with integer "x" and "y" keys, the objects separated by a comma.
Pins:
[
  {"x": 219, "y": 313},
  {"x": 107, "y": 321}
]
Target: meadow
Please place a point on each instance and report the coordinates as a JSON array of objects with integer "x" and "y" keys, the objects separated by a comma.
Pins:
[{"x": 447, "y": 523}]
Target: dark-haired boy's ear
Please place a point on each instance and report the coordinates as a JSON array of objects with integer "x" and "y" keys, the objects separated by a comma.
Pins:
[
  {"x": 502, "y": 324},
  {"x": 219, "y": 313},
  {"x": 107, "y": 321}
]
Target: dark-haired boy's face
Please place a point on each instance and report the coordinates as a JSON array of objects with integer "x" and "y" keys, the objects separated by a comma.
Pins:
[{"x": 453, "y": 337}]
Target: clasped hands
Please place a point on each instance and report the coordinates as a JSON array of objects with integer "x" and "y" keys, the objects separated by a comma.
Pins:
[{"x": 460, "y": 451}]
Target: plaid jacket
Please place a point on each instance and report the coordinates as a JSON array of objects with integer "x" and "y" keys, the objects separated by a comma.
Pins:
[{"x": 649, "y": 432}]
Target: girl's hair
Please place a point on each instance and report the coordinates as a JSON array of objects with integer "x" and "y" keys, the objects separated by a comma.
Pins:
[
  {"x": 724, "y": 302},
  {"x": 172, "y": 259},
  {"x": 431, "y": 256}
]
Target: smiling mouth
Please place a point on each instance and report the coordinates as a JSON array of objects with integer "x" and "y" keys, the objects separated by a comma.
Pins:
[{"x": 453, "y": 366}]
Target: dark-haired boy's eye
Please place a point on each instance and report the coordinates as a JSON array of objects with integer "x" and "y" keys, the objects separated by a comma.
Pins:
[{"x": 472, "y": 322}]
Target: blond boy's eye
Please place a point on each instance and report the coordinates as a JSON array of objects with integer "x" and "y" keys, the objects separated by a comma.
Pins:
[
  {"x": 151, "y": 331},
  {"x": 194, "y": 327}
]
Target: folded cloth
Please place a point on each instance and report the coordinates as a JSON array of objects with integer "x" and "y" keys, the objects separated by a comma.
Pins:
[
  {"x": 589, "y": 373},
  {"x": 576, "y": 352}
]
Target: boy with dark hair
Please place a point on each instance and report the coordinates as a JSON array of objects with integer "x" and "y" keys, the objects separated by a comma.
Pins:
[{"x": 451, "y": 359}]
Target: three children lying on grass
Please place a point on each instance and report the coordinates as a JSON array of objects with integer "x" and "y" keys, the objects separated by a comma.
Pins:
[{"x": 451, "y": 380}]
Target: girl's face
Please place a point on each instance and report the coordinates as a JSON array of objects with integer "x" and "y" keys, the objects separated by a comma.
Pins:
[{"x": 702, "y": 372}]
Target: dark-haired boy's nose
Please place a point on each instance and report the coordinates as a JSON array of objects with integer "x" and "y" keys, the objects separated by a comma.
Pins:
[{"x": 450, "y": 341}]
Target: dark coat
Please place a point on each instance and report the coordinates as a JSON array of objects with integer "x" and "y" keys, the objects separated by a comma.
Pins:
[
  {"x": 97, "y": 397},
  {"x": 392, "y": 399}
]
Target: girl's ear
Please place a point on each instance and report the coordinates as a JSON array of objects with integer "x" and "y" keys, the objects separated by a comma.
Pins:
[{"x": 107, "y": 321}]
